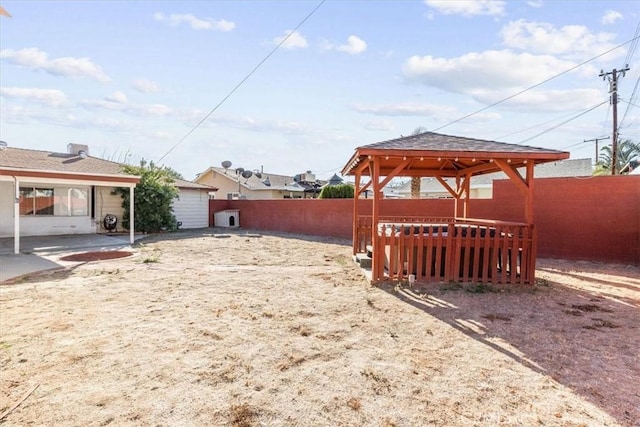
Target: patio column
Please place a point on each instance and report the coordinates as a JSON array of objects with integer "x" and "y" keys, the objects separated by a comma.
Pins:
[
  {"x": 132, "y": 221},
  {"x": 16, "y": 217}
]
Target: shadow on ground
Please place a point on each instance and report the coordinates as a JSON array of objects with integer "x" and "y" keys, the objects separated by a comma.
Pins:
[{"x": 582, "y": 336}]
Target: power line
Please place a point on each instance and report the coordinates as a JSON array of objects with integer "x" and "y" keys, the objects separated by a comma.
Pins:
[
  {"x": 536, "y": 85},
  {"x": 533, "y": 127},
  {"x": 237, "y": 86},
  {"x": 563, "y": 123},
  {"x": 634, "y": 45},
  {"x": 631, "y": 101}
]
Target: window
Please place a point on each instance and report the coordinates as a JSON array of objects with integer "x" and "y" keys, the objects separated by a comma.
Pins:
[
  {"x": 36, "y": 201},
  {"x": 59, "y": 201}
]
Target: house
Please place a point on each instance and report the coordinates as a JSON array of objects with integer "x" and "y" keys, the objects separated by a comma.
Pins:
[
  {"x": 48, "y": 193},
  {"x": 482, "y": 186},
  {"x": 257, "y": 185}
]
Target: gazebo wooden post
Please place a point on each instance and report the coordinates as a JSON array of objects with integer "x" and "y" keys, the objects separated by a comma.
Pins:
[
  {"x": 377, "y": 263},
  {"x": 356, "y": 196},
  {"x": 467, "y": 189},
  {"x": 529, "y": 219},
  {"x": 456, "y": 206},
  {"x": 528, "y": 204}
]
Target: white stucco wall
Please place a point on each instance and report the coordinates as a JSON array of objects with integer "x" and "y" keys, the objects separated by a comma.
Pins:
[
  {"x": 192, "y": 208},
  {"x": 6, "y": 208},
  {"x": 38, "y": 225},
  {"x": 107, "y": 203}
]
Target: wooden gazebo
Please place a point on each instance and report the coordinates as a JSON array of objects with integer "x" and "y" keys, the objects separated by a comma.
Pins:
[{"x": 455, "y": 248}]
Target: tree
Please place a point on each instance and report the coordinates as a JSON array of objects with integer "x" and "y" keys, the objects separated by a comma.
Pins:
[
  {"x": 628, "y": 151},
  {"x": 415, "y": 181},
  {"x": 340, "y": 191},
  {"x": 153, "y": 198}
]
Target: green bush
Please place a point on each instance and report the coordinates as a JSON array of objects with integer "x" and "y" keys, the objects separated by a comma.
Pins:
[
  {"x": 153, "y": 198},
  {"x": 340, "y": 191}
]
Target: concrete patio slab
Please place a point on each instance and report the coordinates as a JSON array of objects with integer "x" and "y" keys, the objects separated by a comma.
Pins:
[{"x": 42, "y": 253}]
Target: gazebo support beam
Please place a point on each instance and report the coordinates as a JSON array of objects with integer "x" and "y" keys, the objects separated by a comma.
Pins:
[{"x": 513, "y": 175}]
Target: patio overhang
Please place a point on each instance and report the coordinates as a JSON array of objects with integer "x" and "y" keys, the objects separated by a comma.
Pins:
[{"x": 35, "y": 176}]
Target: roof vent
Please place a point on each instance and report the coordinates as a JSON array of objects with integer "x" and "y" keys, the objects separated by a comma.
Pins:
[
  {"x": 75, "y": 149},
  {"x": 83, "y": 154},
  {"x": 3, "y": 145}
]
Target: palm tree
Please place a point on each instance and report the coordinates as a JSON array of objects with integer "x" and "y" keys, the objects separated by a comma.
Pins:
[
  {"x": 628, "y": 151},
  {"x": 415, "y": 181}
]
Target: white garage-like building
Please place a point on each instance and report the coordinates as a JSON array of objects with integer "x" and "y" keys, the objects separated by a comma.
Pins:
[{"x": 191, "y": 208}]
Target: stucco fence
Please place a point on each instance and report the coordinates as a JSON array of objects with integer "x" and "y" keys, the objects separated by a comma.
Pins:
[{"x": 587, "y": 218}]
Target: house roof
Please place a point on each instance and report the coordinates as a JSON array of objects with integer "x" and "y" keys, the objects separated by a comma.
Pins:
[
  {"x": 267, "y": 181},
  {"x": 432, "y": 154},
  {"x": 25, "y": 162},
  {"x": 181, "y": 183}
]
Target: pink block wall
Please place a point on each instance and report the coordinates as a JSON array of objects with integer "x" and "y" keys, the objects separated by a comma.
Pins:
[{"x": 596, "y": 218}]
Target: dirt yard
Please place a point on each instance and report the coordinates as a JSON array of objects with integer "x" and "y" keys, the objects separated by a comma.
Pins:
[{"x": 248, "y": 329}]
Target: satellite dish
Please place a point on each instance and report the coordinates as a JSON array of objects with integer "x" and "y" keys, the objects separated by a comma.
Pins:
[
  {"x": 239, "y": 171},
  {"x": 258, "y": 175},
  {"x": 226, "y": 164},
  {"x": 247, "y": 174}
]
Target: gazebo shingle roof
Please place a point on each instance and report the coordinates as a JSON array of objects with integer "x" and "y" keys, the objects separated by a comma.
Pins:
[
  {"x": 434, "y": 154},
  {"x": 430, "y": 141}
]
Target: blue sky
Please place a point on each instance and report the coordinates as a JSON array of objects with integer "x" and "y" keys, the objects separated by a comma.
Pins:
[{"x": 132, "y": 79}]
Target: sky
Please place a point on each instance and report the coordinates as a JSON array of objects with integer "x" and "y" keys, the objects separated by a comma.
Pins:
[{"x": 192, "y": 84}]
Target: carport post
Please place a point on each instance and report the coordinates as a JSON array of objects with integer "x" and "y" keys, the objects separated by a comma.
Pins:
[{"x": 132, "y": 221}]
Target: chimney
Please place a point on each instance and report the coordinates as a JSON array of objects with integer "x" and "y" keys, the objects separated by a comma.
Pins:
[{"x": 78, "y": 149}]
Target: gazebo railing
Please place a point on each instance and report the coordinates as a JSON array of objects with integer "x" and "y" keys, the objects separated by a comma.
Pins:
[{"x": 450, "y": 249}]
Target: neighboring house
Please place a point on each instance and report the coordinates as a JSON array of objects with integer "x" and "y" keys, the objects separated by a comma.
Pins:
[
  {"x": 231, "y": 184},
  {"x": 48, "y": 193},
  {"x": 191, "y": 208},
  {"x": 482, "y": 185}
]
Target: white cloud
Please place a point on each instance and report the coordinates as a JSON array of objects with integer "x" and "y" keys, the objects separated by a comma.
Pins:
[
  {"x": 544, "y": 101},
  {"x": 139, "y": 110},
  {"x": 492, "y": 76},
  {"x": 355, "y": 45},
  {"x": 535, "y": 3},
  {"x": 570, "y": 40},
  {"x": 487, "y": 70},
  {"x": 195, "y": 22},
  {"x": 404, "y": 109},
  {"x": 117, "y": 97},
  {"x": 35, "y": 59},
  {"x": 467, "y": 7},
  {"x": 48, "y": 97},
  {"x": 145, "y": 86},
  {"x": 611, "y": 16},
  {"x": 293, "y": 40},
  {"x": 378, "y": 125}
]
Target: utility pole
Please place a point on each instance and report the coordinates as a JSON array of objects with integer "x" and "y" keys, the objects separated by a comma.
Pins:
[
  {"x": 596, "y": 140},
  {"x": 613, "y": 90}
]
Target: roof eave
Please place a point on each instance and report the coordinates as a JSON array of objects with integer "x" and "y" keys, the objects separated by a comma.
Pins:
[{"x": 40, "y": 173}]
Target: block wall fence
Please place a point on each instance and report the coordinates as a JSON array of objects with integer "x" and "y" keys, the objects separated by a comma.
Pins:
[{"x": 590, "y": 218}]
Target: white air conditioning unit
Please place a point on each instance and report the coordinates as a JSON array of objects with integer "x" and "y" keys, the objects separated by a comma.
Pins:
[{"x": 233, "y": 196}]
